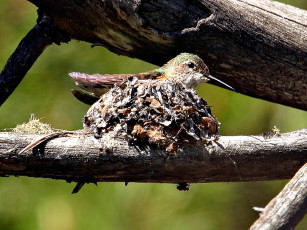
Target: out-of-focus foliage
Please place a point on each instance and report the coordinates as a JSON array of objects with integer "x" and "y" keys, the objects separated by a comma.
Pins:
[{"x": 32, "y": 203}]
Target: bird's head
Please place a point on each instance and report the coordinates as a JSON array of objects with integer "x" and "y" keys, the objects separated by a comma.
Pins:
[{"x": 190, "y": 70}]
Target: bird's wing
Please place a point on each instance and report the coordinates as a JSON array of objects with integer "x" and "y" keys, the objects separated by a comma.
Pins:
[{"x": 97, "y": 84}]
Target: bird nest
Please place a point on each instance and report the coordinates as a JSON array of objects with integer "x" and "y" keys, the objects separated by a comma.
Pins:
[{"x": 163, "y": 114}]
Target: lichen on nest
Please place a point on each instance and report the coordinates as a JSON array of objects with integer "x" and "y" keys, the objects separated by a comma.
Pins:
[
  {"x": 160, "y": 113},
  {"x": 34, "y": 126}
]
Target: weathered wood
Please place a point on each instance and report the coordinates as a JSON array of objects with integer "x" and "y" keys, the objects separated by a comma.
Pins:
[
  {"x": 257, "y": 46},
  {"x": 288, "y": 207},
  {"x": 81, "y": 157}
]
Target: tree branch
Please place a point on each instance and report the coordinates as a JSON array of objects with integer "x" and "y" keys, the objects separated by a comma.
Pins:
[
  {"x": 257, "y": 46},
  {"x": 29, "y": 49},
  {"x": 288, "y": 207},
  {"x": 81, "y": 157}
]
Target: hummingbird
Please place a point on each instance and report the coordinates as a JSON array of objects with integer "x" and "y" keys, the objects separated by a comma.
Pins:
[{"x": 186, "y": 68}]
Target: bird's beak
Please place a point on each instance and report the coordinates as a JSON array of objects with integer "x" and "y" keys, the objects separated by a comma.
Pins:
[{"x": 219, "y": 81}]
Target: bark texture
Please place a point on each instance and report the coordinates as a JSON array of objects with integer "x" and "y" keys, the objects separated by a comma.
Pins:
[
  {"x": 81, "y": 157},
  {"x": 288, "y": 207},
  {"x": 258, "y": 47}
]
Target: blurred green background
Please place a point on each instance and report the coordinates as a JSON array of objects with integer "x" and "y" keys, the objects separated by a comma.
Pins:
[{"x": 34, "y": 203}]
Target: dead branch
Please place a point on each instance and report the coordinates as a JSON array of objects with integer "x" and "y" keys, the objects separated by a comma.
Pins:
[
  {"x": 30, "y": 48},
  {"x": 288, "y": 207},
  {"x": 258, "y": 47},
  {"x": 82, "y": 157}
]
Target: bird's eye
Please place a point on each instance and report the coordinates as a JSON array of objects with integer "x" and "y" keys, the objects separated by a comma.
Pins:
[{"x": 190, "y": 65}]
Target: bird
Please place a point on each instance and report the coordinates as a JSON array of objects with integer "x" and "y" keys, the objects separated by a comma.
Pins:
[{"x": 186, "y": 68}]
